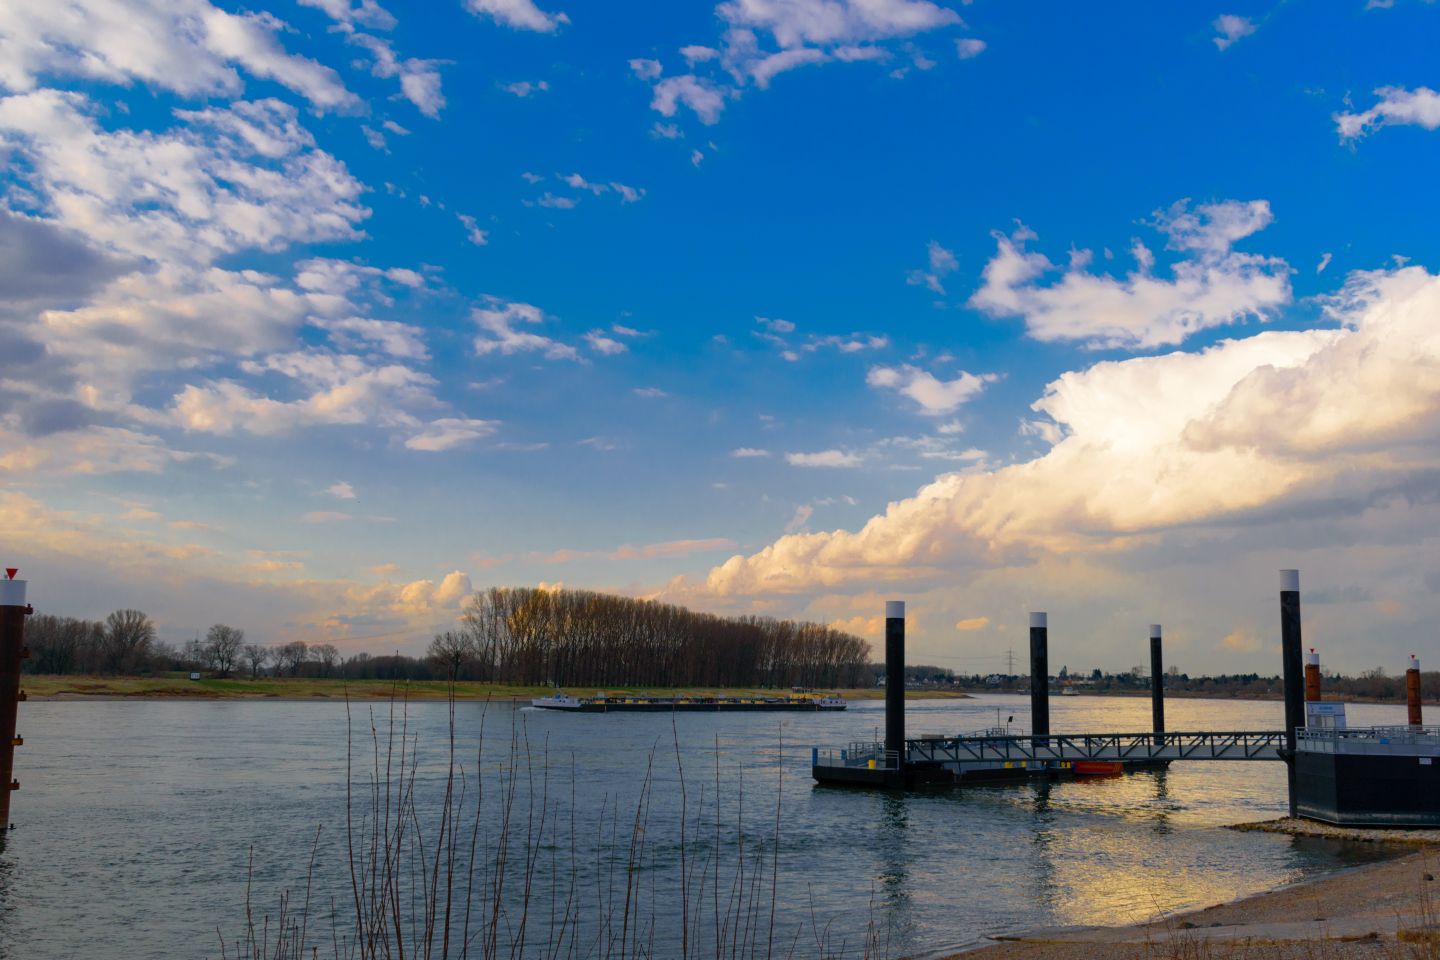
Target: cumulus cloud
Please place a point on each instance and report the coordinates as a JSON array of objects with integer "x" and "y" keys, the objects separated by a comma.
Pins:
[
  {"x": 942, "y": 262},
  {"x": 968, "y": 48},
  {"x": 420, "y": 81},
  {"x": 223, "y": 179},
  {"x": 1211, "y": 284},
  {"x": 519, "y": 14},
  {"x": 448, "y": 433},
  {"x": 764, "y": 39},
  {"x": 1231, "y": 28},
  {"x": 189, "y": 47},
  {"x": 501, "y": 325},
  {"x": 743, "y": 453},
  {"x": 341, "y": 490},
  {"x": 934, "y": 396},
  {"x": 1397, "y": 107},
  {"x": 824, "y": 458},
  {"x": 1320, "y": 421}
]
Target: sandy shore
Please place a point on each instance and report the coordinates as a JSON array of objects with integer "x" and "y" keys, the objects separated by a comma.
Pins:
[{"x": 1385, "y": 910}]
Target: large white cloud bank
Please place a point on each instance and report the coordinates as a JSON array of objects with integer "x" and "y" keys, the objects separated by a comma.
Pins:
[{"x": 1317, "y": 419}]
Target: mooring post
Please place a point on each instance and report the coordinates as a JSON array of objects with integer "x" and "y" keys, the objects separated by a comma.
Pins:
[
  {"x": 1157, "y": 685},
  {"x": 1290, "y": 662},
  {"x": 1412, "y": 691},
  {"x": 13, "y": 611},
  {"x": 895, "y": 680},
  {"x": 1039, "y": 675}
]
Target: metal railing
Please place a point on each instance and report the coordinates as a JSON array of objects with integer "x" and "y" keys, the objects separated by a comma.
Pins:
[
  {"x": 1406, "y": 740},
  {"x": 1241, "y": 745},
  {"x": 860, "y": 753}
]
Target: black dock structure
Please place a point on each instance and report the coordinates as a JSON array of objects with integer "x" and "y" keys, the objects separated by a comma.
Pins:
[
  {"x": 1157, "y": 685},
  {"x": 1039, "y": 674},
  {"x": 1372, "y": 776}
]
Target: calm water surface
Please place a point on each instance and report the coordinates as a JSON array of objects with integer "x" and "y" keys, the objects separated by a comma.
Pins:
[{"x": 136, "y": 819}]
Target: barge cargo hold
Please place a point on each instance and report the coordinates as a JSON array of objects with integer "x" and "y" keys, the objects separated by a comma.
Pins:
[{"x": 600, "y": 703}]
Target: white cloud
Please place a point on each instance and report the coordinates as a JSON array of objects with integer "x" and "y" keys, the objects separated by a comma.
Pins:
[
  {"x": 473, "y": 233},
  {"x": 646, "y": 69},
  {"x": 801, "y": 517},
  {"x": 747, "y": 452},
  {"x": 341, "y": 490},
  {"x": 448, "y": 433},
  {"x": 1317, "y": 422},
  {"x": 1324, "y": 262},
  {"x": 366, "y": 13},
  {"x": 525, "y": 88},
  {"x": 1397, "y": 107},
  {"x": 498, "y": 320},
  {"x": 245, "y": 176},
  {"x": 419, "y": 79},
  {"x": 519, "y": 14},
  {"x": 186, "y": 46},
  {"x": 394, "y": 339},
  {"x": 703, "y": 97},
  {"x": 942, "y": 262},
  {"x": 553, "y": 202},
  {"x": 936, "y": 397},
  {"x": 824, "y": 458},
  {"x": 695, "y": 53},
  {"x": 796, "y": 23},
  {"x": 1231, "y": 28},
  {"x": 968, "y": 48},
  {"x": 601, "y": 344},
  {"x": 1211, "y": 286},
  {"x": 649, "y": 393}
]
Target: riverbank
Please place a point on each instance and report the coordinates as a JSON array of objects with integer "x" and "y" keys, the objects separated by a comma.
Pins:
[
  {"x": 1384, "y": 910},
  {"x": 50, "y": 687}
]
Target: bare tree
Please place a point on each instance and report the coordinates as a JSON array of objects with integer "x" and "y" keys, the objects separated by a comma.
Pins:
[
  {"x": 450, "y": 651},
  {"x": 327, "y": 654},
  {"x": 291, "y": 655},
  {"x": 128, "y": 636},
  {"x": 255, "y": 654},
  {"x": 222, "y": 648}
]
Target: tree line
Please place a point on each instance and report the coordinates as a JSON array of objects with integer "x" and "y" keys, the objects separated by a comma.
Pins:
[
  {"x": 125, "y": 643},
  {"x": 580, "y": 637}
]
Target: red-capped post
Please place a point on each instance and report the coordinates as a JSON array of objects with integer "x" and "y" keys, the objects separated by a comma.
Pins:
[{"x": 13, "y": 611}]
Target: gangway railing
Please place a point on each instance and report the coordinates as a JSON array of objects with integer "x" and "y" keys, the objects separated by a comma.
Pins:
[{"x": 1239, "y": 745}]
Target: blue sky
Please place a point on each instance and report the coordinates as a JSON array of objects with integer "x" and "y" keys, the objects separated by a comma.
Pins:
[{"x": 321, "y": 314}]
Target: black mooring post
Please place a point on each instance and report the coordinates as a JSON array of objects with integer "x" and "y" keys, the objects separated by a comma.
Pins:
[
  {"x": 895, "y": 680},
  {"x": 1293, "y": 669},
  {"x": 1157, "y": 685},
  {"x": 1039, "y": 675}
]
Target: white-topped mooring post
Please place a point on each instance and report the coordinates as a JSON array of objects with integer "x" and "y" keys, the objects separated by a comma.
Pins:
[
  {"x": 1412, "y": 692},
  {"x": 1290, "y": 646},
  {"x": 13, "y": 611},
  {"x": 1157, "y": 684},
  {"x": 895, "y": 679},
  {"x": 1039, "y": 674}
]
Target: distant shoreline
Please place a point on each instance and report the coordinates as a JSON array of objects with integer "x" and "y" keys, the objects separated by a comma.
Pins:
[{"x": 52, "y": 688}]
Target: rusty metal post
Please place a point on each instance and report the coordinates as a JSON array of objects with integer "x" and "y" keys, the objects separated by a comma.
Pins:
[
  {"x": 13, "y": 611},
  {"x": 1312, "y": 678}
]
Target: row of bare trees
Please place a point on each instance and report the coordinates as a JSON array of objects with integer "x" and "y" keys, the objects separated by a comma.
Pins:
[
  {"x": 534, "y": 636},
  {"x": 124, "y": 643}
]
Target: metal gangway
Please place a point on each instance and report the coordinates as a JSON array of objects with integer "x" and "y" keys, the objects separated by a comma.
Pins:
[{"x": 988, "y": 751}]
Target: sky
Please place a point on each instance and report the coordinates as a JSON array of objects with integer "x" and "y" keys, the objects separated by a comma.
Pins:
[{"x": 318, "y": 315}]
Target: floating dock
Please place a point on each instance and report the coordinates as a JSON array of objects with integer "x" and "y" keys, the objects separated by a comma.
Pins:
[{"x": 1374, "y": 776}]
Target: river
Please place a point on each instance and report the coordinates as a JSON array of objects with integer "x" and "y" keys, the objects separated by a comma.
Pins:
[{"x": 136, "y": 821}]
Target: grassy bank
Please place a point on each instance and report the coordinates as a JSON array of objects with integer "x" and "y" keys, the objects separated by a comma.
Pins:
[{"x": 312, "y": 688}]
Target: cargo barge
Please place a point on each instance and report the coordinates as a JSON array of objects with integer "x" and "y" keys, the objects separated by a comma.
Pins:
[{"x": 603, "y": 703}]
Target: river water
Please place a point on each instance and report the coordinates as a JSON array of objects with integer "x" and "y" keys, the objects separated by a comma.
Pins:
[{"x": 137, "y": 821}]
